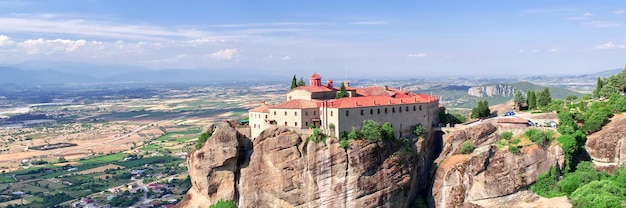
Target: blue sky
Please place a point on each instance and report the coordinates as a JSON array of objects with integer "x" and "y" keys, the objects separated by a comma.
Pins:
[{"x": 369, "y": 38}]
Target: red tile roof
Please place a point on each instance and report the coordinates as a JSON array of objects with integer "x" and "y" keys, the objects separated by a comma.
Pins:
[
  {"x": 296, "y": 104},
  {"x": 369, "y": 101},
  {"x": 315, "y": 76},
  {"x": 261, "y": 109},
  {"x": 513, "y": 120},
  {"x": 313, "y": 89},
  {"x": 375, "y": 91}
]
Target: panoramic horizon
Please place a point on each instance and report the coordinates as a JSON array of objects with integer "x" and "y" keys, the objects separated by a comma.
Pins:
[{"x": 360, "y": 39}]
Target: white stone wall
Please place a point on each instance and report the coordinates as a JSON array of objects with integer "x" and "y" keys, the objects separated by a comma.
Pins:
[
  {"x": 257, "y": 123},
  {"x": 298, "y": 94}
]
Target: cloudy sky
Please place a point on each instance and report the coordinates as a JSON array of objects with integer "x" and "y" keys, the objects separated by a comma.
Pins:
[{"x": 368, "y": 38}]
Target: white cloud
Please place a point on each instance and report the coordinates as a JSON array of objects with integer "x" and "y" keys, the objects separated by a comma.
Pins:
[
  {"x": 369, "y": 23},
  {"x": 5, "y": 40},
  {"x": 554, "y": 49},
  {"x": 418, "y": 55},
  {"x": 588, "y": 14},
  {"x": 534, "y": 51},
  {"x": 621, "y": 11},
  {"x": 54, "y": 24},
  {"x": 601, "y": 24},
  {"x": 39, "y": 46},
  {"x": 607, "y": 45},
  {"x": 521, "y": 50},
  {"x": 226, "y": 54},
  {"x": 285, "y": 58}
]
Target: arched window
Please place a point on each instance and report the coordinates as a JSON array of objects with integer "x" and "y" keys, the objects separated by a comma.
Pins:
[
  {"x": 285, "y": 123},
  {"x": 295, "y": 113},
  {"x": 400, "y": 109},
  {"x": 313, "y": 112},
  {"x": 306, "y": 123},
  {"x": 393, "y": 109},
  {"x": 371, "y": 111},
  {"x": 413, "y": 108},
  {"x": 331, "y": 113},
  {"x": 378, "y": 111},
  {"x": 295, "y": 124},
  {"x": 306, "y": 113},
  {"x": 407, "y": 109},
  {"x": 347, "y": 113},
  {"x": 285, "y": 114},
  {"x": 274, "y": 112},
  {"x": 385, "y": 110},
  {"x": 420, "y": 107},
  {"x": 361, "y": 112}
]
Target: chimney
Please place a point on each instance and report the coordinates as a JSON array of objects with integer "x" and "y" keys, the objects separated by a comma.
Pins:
[
  {"x": 356, "y": 103},
  {"x": 374, "y": 102},
  {"x": 329, "y": 83},
  {"x": 389, "y": 101},
  {"x": 347, "y": 83}
]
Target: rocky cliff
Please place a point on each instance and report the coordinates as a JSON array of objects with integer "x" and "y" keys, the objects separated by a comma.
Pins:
[
  {"x": 492, "y": 90},
  {"x": 607, "y": 147},
  {"x": 467, "y": 180},
  {"x": 283, "y": 170}
]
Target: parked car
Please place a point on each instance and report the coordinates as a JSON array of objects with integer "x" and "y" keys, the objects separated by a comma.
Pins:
[{"x": 509, "y": 113}]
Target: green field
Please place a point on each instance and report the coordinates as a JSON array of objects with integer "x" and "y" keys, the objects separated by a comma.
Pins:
[
  {"x": 149, "y": 160},
  {"x": 104, "y": 159},
  {"x": 6, "y": 179},
  {"x": 51, "y": 185}
]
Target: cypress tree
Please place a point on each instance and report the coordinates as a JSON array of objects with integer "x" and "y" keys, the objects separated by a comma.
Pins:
[
  {"x": 301, "y": 82},
  {"x": 532, "y": 100},
  {"x": 596, "y": 92},
  {"x": 342, "y": 92},
  {"x": 293, "y": 82}
]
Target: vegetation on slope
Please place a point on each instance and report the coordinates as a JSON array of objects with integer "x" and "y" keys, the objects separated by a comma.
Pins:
[{"x": 584, "y": 185}]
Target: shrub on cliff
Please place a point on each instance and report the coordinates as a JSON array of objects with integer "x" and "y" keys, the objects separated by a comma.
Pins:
[
  {"x": 202, "y": 139},
  {"x": 467, "y": 147},
  {"x": 224, "y": 204}
]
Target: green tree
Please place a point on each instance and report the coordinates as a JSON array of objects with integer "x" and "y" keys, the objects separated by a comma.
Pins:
[
  {"x": 599, "y": 83},
  {"x": 354, "y": 134},
  {"x": 370, "y": 130},
  {"x": 543, "y": 99},
  {"x": 387, "y": 131},
  {"x": 301, "y": 82},
  {"x": 519, "y": 98},
  {"x": 62, "y": 159},
  {"x": 532, "y": 99},
  {"x": 443, "y": 116},
  {"x": 294, "y": 83},
  {"x": 419, "y": 130},
  {"x": 481, "y": 110},
  {"x": 342, "y": 92}
]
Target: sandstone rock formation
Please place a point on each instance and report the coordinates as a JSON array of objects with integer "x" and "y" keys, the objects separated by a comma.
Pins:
[
  {"x": 492, "y": 90},
  {"x": 283, "y": 170},
  {"x": 487, "y": 172},
  {"x": 607, "y": 147}
]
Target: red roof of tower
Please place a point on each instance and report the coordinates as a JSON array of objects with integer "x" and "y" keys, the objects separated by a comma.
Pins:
[
  {"x": 315, "y": 76},
  {"x": 313, "y": 88}
]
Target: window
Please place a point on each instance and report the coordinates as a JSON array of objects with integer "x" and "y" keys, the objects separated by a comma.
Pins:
[
  {"x": 313, "y": 112},
  {"x": 285, "y": 123},
  {"x": 393, "y": 109},
  {"x": 385, "y": 110},
  {"x": 306, "y": 113},
  {"x": 295, "y": 124},
  {"x": 295, "y": 113},
  {"x": 285, "y": 113},
  {"x": 378, "y": 111},
  {"x": 413, "y": 108},
  {"x": 347, "y": 113},
  {"x": 265, "y": 116},
  {"x": 407, "y": 109},
  {"x": 306, "y": 123},
  {"x": 331, "y": 113},
  {"x": 400, "y": 109},
  {"x": 274, "y": 112},
  {"x": 361, "y": 112},
  {"x": 420, "y": 107},
  {"x": 371, "y": 111}
]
